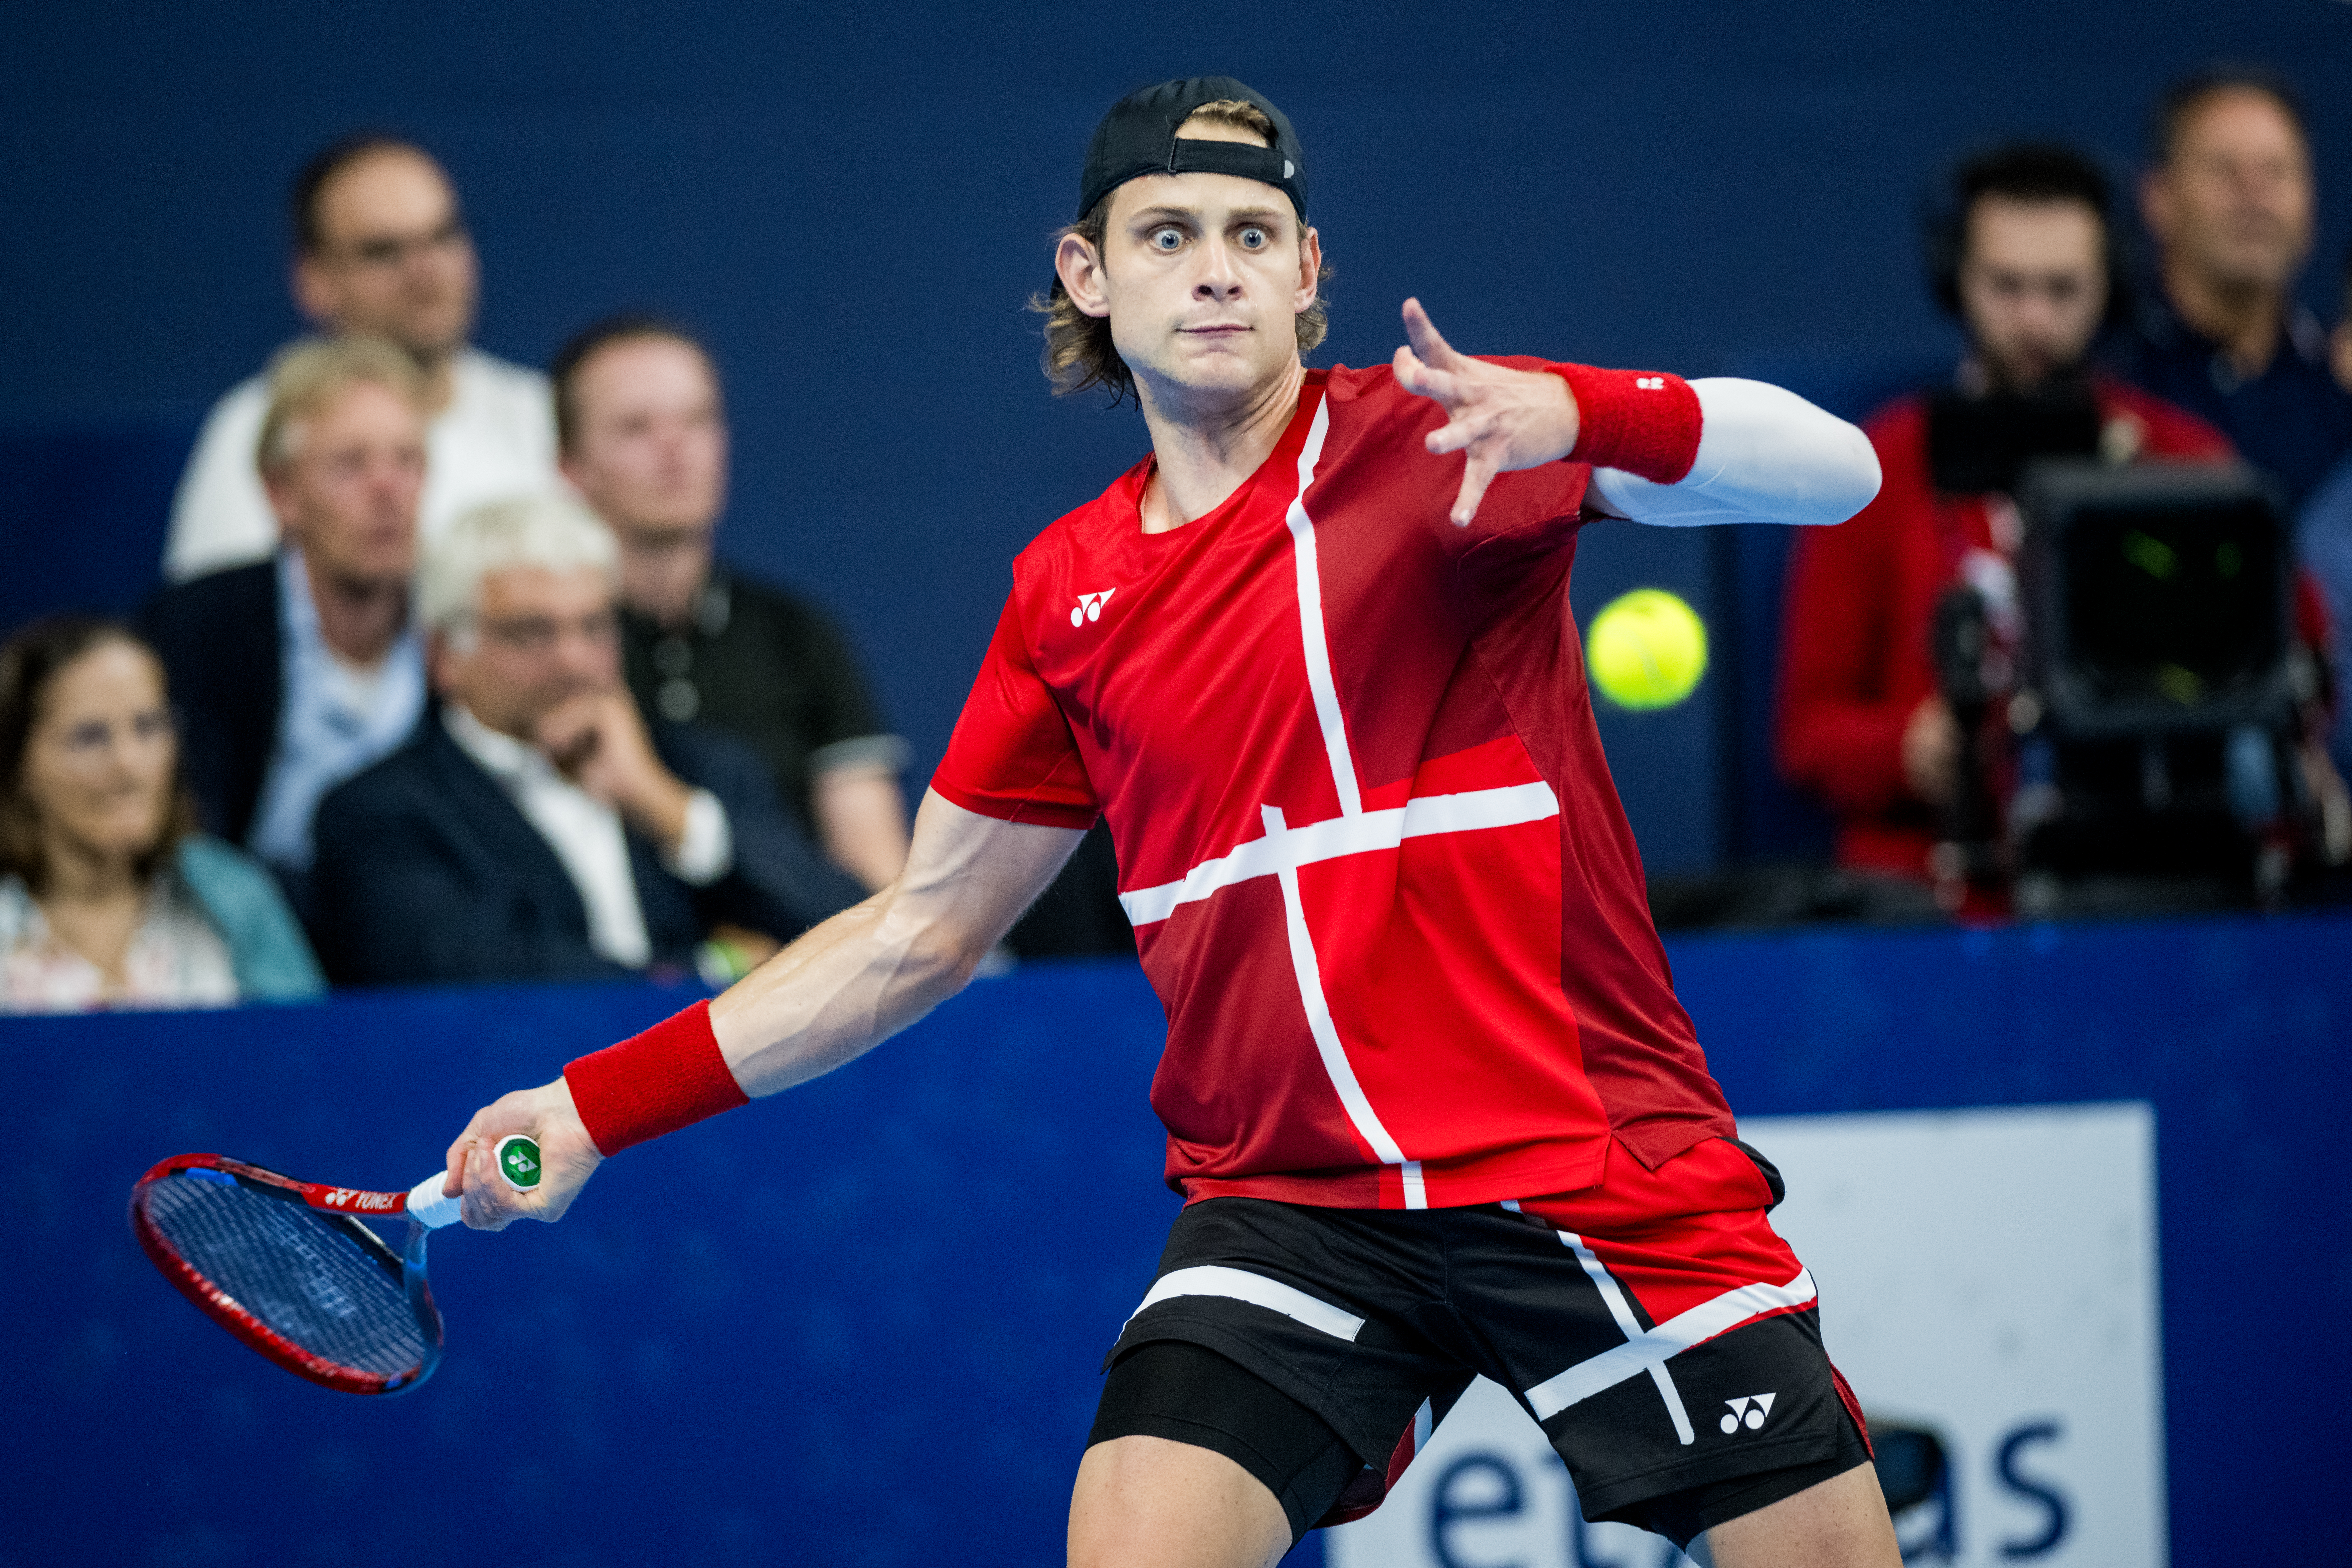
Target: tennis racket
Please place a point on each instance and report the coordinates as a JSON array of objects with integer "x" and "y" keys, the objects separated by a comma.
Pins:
[{"x": 290, "y": 1270}]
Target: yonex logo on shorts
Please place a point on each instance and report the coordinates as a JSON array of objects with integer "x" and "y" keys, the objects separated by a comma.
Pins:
[
  {"x": 1747, "y": 1412},
  {"x": 1090, "y": 606}
]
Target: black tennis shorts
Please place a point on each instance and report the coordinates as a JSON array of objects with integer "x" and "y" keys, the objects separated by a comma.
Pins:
[{"x": 1677, "y": 1366}]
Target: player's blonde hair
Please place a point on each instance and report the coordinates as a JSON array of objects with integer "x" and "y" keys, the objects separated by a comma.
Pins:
[
  {"x": 309, "y": 376},
  {"x": 552, "y": 532},
  {"x": 1078, "y": 352}
]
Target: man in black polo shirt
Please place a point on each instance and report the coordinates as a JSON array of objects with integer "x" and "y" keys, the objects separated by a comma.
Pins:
[
  {"x": 2230, "y": 202},
  {"x": 642, "y": 435}
]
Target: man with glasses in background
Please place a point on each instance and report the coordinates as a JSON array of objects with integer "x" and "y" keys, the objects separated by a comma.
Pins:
[
  {"x": 381, "y": 249},
  {"x": 536, "y": 826}
]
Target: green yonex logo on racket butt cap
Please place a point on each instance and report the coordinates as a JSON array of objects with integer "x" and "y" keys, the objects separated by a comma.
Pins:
[{"x": 517, "y": 1159}]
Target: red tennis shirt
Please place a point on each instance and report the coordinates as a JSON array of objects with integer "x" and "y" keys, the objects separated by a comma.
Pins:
[{"x": 1379, "y": 875}]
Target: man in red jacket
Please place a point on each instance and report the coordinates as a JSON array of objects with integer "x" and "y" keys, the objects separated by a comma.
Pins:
[{"x": 2027, "y": 265}]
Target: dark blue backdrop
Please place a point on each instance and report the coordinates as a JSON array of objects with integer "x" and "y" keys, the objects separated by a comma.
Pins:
[
  {"x": 853, "y": 202},
  {"x": 860, "y": 1324}
]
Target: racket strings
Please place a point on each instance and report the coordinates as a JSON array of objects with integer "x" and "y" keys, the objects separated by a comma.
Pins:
[{"x": 300, "y": 1274}]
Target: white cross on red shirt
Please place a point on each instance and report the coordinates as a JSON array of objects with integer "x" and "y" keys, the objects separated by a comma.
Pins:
[{"x": 1283, "y": 848}]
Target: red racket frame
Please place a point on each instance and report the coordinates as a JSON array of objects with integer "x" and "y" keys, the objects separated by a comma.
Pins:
[{"x": 259, "y": 1336}]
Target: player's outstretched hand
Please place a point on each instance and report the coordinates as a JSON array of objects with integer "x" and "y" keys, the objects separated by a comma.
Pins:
[
  {"x": 567, "y": 1157},
  {"x": 1501, "y": 418}
]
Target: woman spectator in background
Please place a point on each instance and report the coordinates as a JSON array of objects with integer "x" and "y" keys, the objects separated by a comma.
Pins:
[{"x": 107, "y": 896}]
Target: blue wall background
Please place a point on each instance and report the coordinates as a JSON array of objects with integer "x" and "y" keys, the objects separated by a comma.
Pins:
[
  {"x": 853, "y": 201},
  {"x": 860, "y": 1325}
]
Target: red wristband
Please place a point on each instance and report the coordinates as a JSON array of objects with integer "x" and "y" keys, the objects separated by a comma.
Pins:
[
  {"x": 1643, "y": 421},
  {"x": 671, "y": 1076}
]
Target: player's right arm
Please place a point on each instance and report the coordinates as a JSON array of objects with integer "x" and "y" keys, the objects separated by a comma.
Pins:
[
  {"x": 843, "y": 988},
  {"x": 874, "y": 969}
]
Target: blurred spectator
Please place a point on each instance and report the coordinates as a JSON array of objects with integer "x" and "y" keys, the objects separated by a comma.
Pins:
[
  {"x": 2230, "y": 202},
  {"x": 293, "y": 674},
  {"x": 2340, "y": 349},
  {"x": 2325, "y": 543},
  {"x": 2024, "y": 258},
  {"x": 534, "y": 827},
  {"x": 106, "y": 895},
  {"x": 2326, "y": 547},
  {"x": 380, "y": 250},
  {"x": 642, "y": 435}
]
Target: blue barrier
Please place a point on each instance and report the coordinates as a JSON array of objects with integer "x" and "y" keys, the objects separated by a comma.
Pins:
[{"x": 861, "y": 1325}]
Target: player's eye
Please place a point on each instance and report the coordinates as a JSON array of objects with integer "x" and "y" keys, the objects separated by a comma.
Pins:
[
  {"x": 1166, "y": 238},
  {"x": 1254, "y": 240}
]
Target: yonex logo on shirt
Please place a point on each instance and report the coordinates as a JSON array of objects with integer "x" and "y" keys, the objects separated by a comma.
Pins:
[
  {"x": 1090, "y": 606},
  {"x": 1749, "y": 1412},
  {"x": 1651, "y": 383}
]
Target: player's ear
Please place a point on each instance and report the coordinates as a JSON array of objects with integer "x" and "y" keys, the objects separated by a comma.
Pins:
[
  {"x": 1310, "y": 271},
  {"x": 1079, "y": 266}
]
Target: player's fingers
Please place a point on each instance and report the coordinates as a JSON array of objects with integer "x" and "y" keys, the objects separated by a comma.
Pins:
[
  {"x": 1426, "y": 340},
  {"x": 1460, "y": 433},
  {"x": 1476, "y": 477},
  {"x": 487, "y": 1206},
  {"x": 1439, "y": 386},
  {"x": 456, "y": 1156},
  {"x": 1413, "y": 376}
]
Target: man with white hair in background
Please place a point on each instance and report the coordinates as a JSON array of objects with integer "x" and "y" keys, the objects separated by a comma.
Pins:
[
  {"x": 536, "y": 826},
  {"x": 381, "y": 249}
]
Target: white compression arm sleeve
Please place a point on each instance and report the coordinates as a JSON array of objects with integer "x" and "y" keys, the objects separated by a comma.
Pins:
[{"x": 1765, "y": 455}]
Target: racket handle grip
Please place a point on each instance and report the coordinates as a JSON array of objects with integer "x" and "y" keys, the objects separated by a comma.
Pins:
[
  {"x": 428, "y": 1208},
  {"x": 517, "y": 1159}
]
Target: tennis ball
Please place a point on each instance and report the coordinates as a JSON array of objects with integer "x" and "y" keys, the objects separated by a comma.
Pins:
[{"x": 1646, "y": 650}]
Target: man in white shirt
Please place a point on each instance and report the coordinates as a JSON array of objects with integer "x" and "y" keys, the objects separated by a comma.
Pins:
[
  {"x": 381, "y": 249},
  {"x": 537, "y": 827}
]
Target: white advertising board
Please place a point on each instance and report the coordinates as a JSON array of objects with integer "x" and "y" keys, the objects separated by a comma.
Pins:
[{"x": 1990, "y": 1275}]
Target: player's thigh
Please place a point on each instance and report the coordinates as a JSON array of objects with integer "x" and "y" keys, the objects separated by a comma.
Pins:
[
  {"x": 1152, "y": 1502},
  {"x": 1841, "y": 1522},
  {"x": 1284, "y": 1337}
]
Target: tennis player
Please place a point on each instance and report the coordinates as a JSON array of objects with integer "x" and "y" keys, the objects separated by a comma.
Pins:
[{"x": 1429, "y": 1095}]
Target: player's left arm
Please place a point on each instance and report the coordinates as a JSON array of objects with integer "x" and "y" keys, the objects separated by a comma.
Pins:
[
  {"x": 1717, "y": 450},
  {"x": 1765, "y": 455}
]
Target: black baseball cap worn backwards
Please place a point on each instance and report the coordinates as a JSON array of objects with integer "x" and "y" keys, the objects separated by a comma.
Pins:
[{"x": 1138, "y": 137}]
